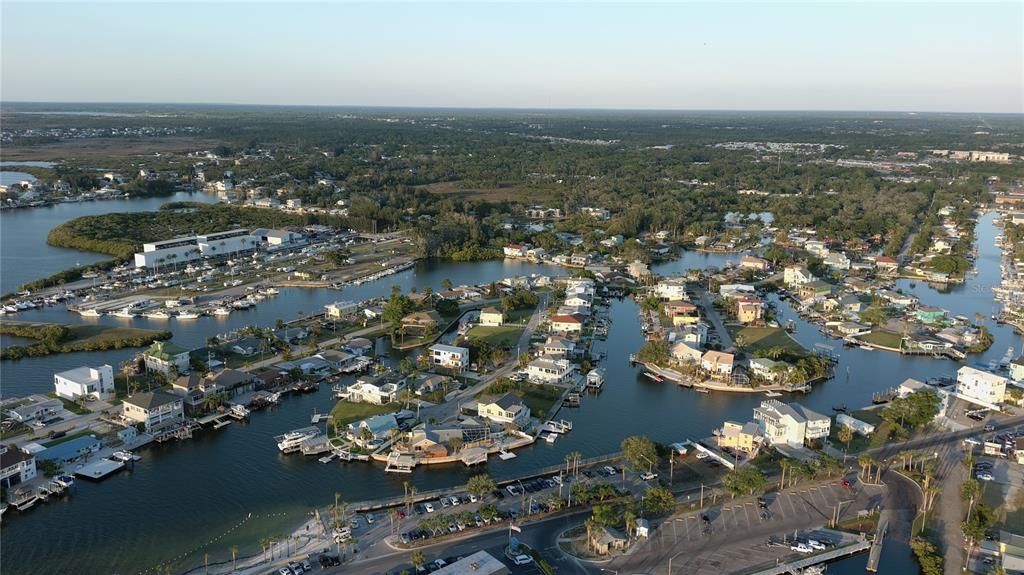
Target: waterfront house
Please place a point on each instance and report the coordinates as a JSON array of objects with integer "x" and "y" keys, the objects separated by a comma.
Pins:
[
  {"x": 717, "y": 362},
  {"x": 580, "y": 259},
  {"x": 846, "y": 328},
  {"x": 32, "y": 408},
  {"x": 94, "y": 382},
  {"x": 1017, "y": 369},
  {"x": 673, "y": 289},
  {"x": 559, "y": 346},
  {"x": 508, "y": 408},
  {"x": 851, "y": 304},
  {"x": 491, "y": 316},
  {"x": 359, "y": 346},
  {"x": 166, "y": 358},
  {"x": 379, "y": 389},
  {"x": 155, "y": 410},
  {"x": 638, "y": 270},
  {"x": 896, "y": 298},
  {"x": 982, "y": 387},
  {"x": 792, "y": 424},
  {"x": 796, "y": 276},
  {"x": 551, "y": 371},
  {"x": 817, "y": 248},
  {"x": 749, "y": 310},
  {"x": 736, "y": 291},
  {"x": 695, "y": 334},
  {"x": 887, "y": 264},
  {"x": 449, "y": 356},
  {"x": 336, "y": 357},
  {"x": 421, "y": 322},
  {"x": 246, "y": 346},
  {"x": 685, "y": 352},
  {"x": 71, "y": 450},
  {"x": 566, "y": 324},
  {"x": 378, "y": 429},
  {"x": 230, "y": 382},
  {"x": 861, "y": 427},
  {"x": 930, "y": 315},
  {"x": 814, "y": 290},
  {"x": 754, "y": 263},
  {"x": 341, "y": 310},
  {"x": 681, "y": 312},
  {"x": 742, "y": 437},
  {"x": 16, "y": 466},
  {"x": 768, "y": 369},
  {"x": 515, "y": 250},
  {"x": 192, "y": 391},
  {"x": 837, "y": 261}
]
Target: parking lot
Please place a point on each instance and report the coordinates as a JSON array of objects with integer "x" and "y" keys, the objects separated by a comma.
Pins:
[{"x": 734, "y": 536}]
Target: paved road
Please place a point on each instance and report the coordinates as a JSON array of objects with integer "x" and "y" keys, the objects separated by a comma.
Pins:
[{"x": 716, "y": 320}]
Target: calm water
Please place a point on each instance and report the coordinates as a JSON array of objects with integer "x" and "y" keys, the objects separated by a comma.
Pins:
[
  {"x": 7, "y": 178},
  {"x": 23, "y": 250},
  {"x": 185, "y": 495}
]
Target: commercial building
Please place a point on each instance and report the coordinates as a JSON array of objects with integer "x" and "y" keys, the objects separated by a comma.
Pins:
[{"x": 95, "y": 382}]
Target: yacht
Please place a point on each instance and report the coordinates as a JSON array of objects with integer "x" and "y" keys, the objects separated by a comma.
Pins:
[
  {"x": 158, "y": 314},
  {"x": 124, "y": 456},
  {"x": 292, "y": 440},
  {"x": 222, "y": 311},
  {"x": 90, "y": 313},
  {"x": 189, "y": 315},
  {"x": 125, "y": 312}
]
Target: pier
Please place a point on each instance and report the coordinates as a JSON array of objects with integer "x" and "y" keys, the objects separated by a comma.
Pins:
[
  {"x": 875, "y": 555},
  {"x": 99, "y": 469}
]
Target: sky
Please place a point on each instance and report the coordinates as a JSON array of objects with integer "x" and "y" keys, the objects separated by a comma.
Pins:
[{"x": 877, "y": 56}]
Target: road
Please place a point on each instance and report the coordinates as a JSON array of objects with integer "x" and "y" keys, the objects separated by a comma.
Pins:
[{"x": 716, "y": 320}]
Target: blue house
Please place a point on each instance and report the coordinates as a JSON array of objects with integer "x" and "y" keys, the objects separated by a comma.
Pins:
[{"x": 70, "y": 450}]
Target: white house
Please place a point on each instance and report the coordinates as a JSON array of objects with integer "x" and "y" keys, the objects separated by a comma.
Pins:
[
  {"x": 165, "y": 357},
  {"x": 981, "y": 386},
  {"x": 378, "y": 429},
  {"x": 1017, "y": 369},
  {"x": 768, "y": 369},
  {"x": 449, "y": 356},
  {"x": 694, "y": 334},
  {"x": 717, "y": 362},
  {"x": 491, "y": 316},
  {"x": 16, "y": 467},
  {"x": 515, "y": 251},
  {"x": 671, "y": 290},
  {"x": 154, "y": 409},
  {"x": 96, "y": 382},
  {"x": 790, "y": 423},
  {"x": 378, "y": 390},
  {"x": 861, "y": 427},
  {"x": 837, "y": 261},
  {"x": 796, "y": 276},
  {"x": 506, "y": 409},
  {"x": 559, "y": 346},
  {"x": 550, "y": 370}
]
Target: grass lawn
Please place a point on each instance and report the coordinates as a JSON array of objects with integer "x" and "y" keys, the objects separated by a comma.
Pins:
[
  {"x": 499, "y": 336},
  {"x": 519, "y": 315},
  {"x": 881, "y": 434},
  {"x": 540, "y": 399},
  {"x": 858, "y": 444},
  {"x": 883, "y": 338},
  {"x": 68, "y": 437},
  {"x": 872, "y": 416},
  {"x": 346, "y": 412},
  {"x": 758, "y": 338},
  {"x": 69, "y": 405}
]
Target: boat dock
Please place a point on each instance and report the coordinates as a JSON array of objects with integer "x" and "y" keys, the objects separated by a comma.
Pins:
[
  {"x": 99, "y": 469},
  {"x": 875, "y": 555},
  {"x": 817, "y": 558}
]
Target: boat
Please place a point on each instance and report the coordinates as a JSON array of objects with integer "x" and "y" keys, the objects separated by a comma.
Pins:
[
  {"x": 158, "y": 314},
  {"x": 189, "y": 315},
  {"x": 654, "y": 376},
  {"x": 222, "y": 311},
  {"x": 841, "y": 408},
  {"x": 90, "y": 313},
  {"x": 124, "y": 456},
  {"x": 64, "y": 481},
  {"x": 506, "y": 455},
  {"x": 239, "y": 411},
  {"x": 125, "y": 312},
  {"x": 292, "y": 440},
  {"x": 550, "y": 437},
  {"x": 867, "y": 348},
  {"x": 702, "y": 390}
]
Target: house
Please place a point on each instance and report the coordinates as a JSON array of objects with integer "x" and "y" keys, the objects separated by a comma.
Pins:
[
  {"x": 754, "y": 263},
  {"x": 231, "y": 382},
  {"x": 736, "y": 291},
  {"x": 685, "y": 352},
  {"x": 551, "y": 371},
  {"x": 155, "y": 410},
  {"x": 930, "y": 315},
  {"x": 515, "y": 250},
  {"x": 796, "y": 276},
  {"x": 643, "y": 528},
  {"x": 816, "y": 248},
  {"x": 742, "y": 437},
  {"x": 980, "y": 386},
  {"x": 449, "y": 356},
  {"x": 559, "y": 346},
  {"x": 32, "y": 408},
  {"x": 566, "y": 324},
  {"x": 429, "y": 383},
  {"x": 16, "y": 466},
  {"x": 190, "y": 388},
  {"x": 613, "y": 242},
  {"x": 508, "y": 408},
  {"x": 341, "y": 310},
  {"x": 749, "y": 310},
  {"x": 682, "y": 313},
  {"x": 491, "y": 316},
  {"x": 638, "y": 270},
  {"x": 887, "y": 264},
  {"x": 671, "y": 290},
  {"x": 717, "y": 362},
  {"x": 359, "y": 346},
  {"x": 846, "y": 328},
  {"x": 601, "y": 214},
  {"x": 166, "y": 358},
  {"x": 604, "y": 540},
  {"x": 814, "y": 289},
  {"x": 94, "y": 382},
  {"x": 851, "y": 304},
  {"x": 72, "y": 450},
  {"x": 293, "y": 203},
  {"x": 336, "y": 357},
  {"x": 768, "y": 369},
  {"x": 695, "y": 334},
  {"x": 378, "y": 390},
  {"x": 792, "y": 424},
  {"x": 837, "y": 261},
  {"x": 1017, "y": 369},
  {"x": 421, "y": 322},
  {"x": 373, "y": 431},
  {"x": 858, "y": 426},
  {"x": 896, "y": 298}
]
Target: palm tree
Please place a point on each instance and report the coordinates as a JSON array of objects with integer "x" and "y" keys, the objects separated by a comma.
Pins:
[
  {"x": 234, "y": 555},
  {"x": 265, "y": 544},
  {"x": 845, "y": 434},
  {"x": 417, "y": 559},
  {"x": 865, "y": 462}
]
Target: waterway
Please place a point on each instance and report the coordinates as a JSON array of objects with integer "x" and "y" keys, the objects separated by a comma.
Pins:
[
  {"x": 8, "y": 177},
  {"x": 23, "y": 250},
  {"x": 181, "y": 500}
]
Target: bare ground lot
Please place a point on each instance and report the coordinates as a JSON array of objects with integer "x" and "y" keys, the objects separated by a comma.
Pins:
[{"x": 100, "y": 148}]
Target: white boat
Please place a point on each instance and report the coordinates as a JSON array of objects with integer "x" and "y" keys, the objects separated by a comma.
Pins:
[
  {"x": 189, "y": 315},
  {"x": 270, "y": 291},
  {"x": 90, "y": 313},
  {"x": 158, "y": 314},
  {"x": 125, "y": 312},
  {"x": 239, "y": 411},
  {"x": 64, "y": 481},
  {"x": 867, "y": 348},
  {"x": 242, "y": 304},
  {"x": 550, "y": 437},
  {"x": 125, "y": 456},
  {"x": 222, "y": 311},
  {"x": 292, "y": 440},
  {"x": 506, "y": 455}
]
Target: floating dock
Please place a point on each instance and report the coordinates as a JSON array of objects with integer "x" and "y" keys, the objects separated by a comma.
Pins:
[{"x": 99, "y": 469}]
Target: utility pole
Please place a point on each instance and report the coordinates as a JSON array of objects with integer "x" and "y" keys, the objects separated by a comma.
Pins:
[{"x": 702, "y": 495}]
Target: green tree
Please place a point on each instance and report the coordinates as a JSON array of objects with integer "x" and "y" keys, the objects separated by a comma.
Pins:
[
  {"x": 746, "y": 480},
  {"x": 658, "y": 500},
  {"x": 639, "y": 451},
  {"x": 480, "y": 485}
]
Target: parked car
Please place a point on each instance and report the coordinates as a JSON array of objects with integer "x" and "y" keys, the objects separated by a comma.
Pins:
[
  {"x": 648, "y": 476},
  {"x": 522, "y": 560},
  {"x": 429, "y": 507},
  {"x": 512, "y": 490},
  {"x": 984, "y": 476},
  {"x": 816, "y": 545},
  {"x": 801, "y": 548},
  {"x": 702, "y": 455}
]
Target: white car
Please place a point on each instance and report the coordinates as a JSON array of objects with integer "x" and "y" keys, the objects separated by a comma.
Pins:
[
  {"x": 473, "y": 498},
  {"x": 648, "y": 476},
  {"x": 512, "y": 490},
  {"x": 429, "y": 507},
  {"x": 984, "y": 476},
  {"x": 702, "y": 455},
  {"x": 522, "y": 560},
  {"x": 455, "y": 500},
  {"x": 801, "y": 548},
  {"x": 816, "y": 545}
]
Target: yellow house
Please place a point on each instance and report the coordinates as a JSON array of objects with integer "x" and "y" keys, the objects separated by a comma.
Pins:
[
  {"x": 743, "y": 437},
  {"x": 749, "y": 310},
  {"x": 491, "y": 316}
]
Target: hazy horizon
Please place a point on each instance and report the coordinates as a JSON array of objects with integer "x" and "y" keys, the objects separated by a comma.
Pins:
[{"x": 730, "y": 57}]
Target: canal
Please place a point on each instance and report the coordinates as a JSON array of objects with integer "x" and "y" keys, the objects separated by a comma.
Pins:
[{"x": 232, "y": 487}]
